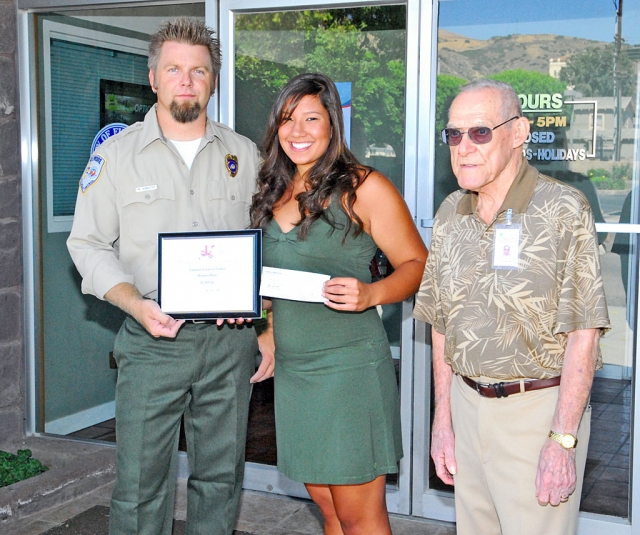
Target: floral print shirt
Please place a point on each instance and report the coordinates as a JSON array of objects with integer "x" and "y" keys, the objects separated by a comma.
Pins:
[{"x": 513, "y": 323}]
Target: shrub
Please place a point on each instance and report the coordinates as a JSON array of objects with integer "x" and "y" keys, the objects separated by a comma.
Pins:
[
  {"x": 14, "y": 468},
  {"x": 603, "y": 182},
  {"x": 622, "y": 172},
  {"x": 602, "y": 173}
]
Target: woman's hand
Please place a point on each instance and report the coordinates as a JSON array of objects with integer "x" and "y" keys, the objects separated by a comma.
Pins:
[
  {"x": 346, "y": 293},
  {"x": 267, "y": 346}
]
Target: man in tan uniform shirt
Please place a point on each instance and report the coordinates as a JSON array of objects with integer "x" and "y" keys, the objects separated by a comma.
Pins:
[
  {"x": 513, "y": 292},
  {"x": 176, "y": 171}
]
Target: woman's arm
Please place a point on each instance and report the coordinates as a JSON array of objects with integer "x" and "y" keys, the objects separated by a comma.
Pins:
[{"x": 386, "y": 218}]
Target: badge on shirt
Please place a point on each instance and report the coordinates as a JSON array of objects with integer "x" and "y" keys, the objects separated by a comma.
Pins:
[
  {"x": 92, "y": 171},
  {"x": 506, "y": 247},
  {"x": 232, "y": 165}
]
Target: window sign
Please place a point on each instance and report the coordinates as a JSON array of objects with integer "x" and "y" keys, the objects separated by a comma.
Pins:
[
  {"x": 121, "y": 105},
  {"x": 124, "y": 102}
]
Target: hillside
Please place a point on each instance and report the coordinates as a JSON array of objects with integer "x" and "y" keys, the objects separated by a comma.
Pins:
[{"x": 474, "y": 58}]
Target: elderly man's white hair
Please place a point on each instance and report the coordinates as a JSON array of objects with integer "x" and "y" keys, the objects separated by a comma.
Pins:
[{"x": 510, "y": 100}]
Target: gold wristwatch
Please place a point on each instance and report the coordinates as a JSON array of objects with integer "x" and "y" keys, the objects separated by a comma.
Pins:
[{"x": 566, "y": 440}]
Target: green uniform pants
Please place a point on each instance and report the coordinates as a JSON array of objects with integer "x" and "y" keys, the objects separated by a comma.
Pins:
[{"x": 204, "y": 375}]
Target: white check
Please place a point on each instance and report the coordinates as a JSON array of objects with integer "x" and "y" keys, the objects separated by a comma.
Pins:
[{"x": 292, "y": 284}]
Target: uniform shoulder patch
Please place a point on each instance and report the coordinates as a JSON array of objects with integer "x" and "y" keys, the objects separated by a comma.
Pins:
[{"x": 92, "y": 171}]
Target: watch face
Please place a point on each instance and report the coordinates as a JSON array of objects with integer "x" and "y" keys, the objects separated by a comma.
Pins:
[{"x": 568, "y": 441}]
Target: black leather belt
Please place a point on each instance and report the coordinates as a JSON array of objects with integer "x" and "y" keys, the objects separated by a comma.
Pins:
[{"x": 502, "y": 390}]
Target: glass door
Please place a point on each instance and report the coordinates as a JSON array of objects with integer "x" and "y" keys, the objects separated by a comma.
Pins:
[
  {"x": 576, "y": 73},
  {"x": 370, "y": 50},
  {"x": 92, "y": 81}
]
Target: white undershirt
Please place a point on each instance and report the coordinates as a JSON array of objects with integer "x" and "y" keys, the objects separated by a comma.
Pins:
[{"x": 187, "y": 149}]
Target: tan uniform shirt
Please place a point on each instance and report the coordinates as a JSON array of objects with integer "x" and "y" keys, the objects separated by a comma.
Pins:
[
  {"x": 510, "y": 324},
  {"x": 137, "y": 185}
]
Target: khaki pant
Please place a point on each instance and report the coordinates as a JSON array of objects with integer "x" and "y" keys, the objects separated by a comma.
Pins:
[
  {"x": 498, "y": 443},
  {"x": 204, "y": 375}
]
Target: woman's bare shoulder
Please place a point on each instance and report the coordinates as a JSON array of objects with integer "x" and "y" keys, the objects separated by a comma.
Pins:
[{"x": 374, "y": 185}]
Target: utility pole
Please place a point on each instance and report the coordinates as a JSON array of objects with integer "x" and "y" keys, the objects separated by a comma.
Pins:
[{"x": 617, "y": 85}]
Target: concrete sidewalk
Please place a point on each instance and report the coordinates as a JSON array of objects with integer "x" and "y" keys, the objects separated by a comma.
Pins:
[
  {"x": 72, "y": 498},
  {"x": 260, "y": 514}
]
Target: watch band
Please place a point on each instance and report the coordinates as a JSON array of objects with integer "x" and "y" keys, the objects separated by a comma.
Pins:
[{"x": 566, "y": 440}]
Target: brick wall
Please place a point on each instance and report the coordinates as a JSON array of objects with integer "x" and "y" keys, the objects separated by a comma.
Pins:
[{"x": 11, "y": 317}]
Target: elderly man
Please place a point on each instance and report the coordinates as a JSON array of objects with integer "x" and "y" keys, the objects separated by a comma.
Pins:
[
  {"x": 513, "y": 292},
  {"x": 176, "y": 171}
]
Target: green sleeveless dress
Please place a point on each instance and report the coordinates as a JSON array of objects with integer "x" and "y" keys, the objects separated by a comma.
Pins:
[{"x": 336, "y": 397}]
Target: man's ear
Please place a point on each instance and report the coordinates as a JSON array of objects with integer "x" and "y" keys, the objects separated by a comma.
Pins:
[
  {"x": 152, "y": 80},
  {"x": 214, "y": 85},
  {"x": 521, "y": 131}
]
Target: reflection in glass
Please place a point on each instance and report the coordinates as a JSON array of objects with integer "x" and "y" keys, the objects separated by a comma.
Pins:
[
  {"x": 576, "y": 74},
  {"x": 362, "y": 46},
  {"x": 606, "y": 488},
  {"x": 79, "y": 69}
]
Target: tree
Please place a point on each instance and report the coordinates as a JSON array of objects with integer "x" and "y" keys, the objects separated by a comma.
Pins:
[
  {"x": 364, "y": 46},
  {"x": 447, "y": 87},
  {"x": 530, "y": 82},
  {"x": 524, "y": 82},
  {"x": 591, "y": 72}
]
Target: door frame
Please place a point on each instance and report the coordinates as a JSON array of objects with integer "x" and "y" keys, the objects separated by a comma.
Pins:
[
  {"x": 436, "y": 504},
  {"x": 260, "y": 477}
]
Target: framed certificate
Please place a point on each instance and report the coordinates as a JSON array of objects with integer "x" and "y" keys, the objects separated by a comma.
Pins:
[{"x": 210, "y": 275}]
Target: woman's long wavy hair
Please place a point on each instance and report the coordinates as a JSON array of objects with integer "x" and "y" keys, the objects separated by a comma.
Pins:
[{"x": 337, "y": 174}]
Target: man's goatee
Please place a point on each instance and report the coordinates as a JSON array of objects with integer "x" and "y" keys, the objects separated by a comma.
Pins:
[{"x": 185, "y": 113}]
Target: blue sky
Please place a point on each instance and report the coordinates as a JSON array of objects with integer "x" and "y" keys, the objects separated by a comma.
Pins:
[{"x": 591, "y": 19}]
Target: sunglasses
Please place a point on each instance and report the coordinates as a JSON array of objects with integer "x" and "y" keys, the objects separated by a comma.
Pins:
[{"x": 478, "y": 134}]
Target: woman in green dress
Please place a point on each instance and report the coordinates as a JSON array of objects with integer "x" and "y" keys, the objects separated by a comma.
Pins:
[{"x": 336, "y": 397}]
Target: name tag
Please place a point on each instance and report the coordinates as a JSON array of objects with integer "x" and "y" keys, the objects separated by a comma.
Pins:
[
  {"x": 146, "y": 188},
  {"x": 506, "y": 247}
]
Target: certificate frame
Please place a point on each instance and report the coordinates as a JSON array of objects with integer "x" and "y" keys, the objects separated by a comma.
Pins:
[{"x": 210, "y": 275}]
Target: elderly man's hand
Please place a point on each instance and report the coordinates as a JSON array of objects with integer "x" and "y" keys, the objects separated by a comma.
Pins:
[
  {"x": 442, "y": 449},
  {"x": 556, "y": 477}
]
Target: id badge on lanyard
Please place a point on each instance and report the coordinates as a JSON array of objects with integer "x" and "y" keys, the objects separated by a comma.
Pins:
[{"x": 506, "y": 244}]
